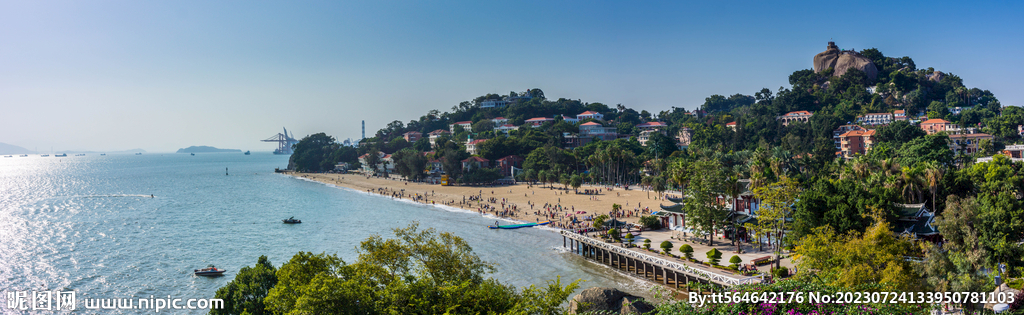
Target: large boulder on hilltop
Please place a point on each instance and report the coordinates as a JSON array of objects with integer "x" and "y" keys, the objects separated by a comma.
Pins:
[
  {"x": 841, "y": 61},
  {"x": 612, "y": 300}
]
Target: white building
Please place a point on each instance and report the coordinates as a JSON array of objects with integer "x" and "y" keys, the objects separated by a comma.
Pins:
[
  {"x": 596, "y": 130},
  {"x": 491, "y": 103},
  {"x": 471, "y": 146},
  {"x": 433, "y": 135},
  {"x": 500, "y": 121},
  {"x": 590, "y": 114},
  {"x": 875, "y": 119},
  {"x": 465, "y": 125},
  {"x": 570, "y": 120},
  {"x": 505, "y": 128}
]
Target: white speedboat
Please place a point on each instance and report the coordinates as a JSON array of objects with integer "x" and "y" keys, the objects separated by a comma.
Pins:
[{"x": 209, "y": 271}]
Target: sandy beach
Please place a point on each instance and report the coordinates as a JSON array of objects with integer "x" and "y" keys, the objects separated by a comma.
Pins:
[
  {"x": 522, "y": 202},
  {"x": 556, "y": 204}
]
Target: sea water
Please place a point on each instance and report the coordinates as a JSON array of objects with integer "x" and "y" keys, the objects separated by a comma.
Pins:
[{"x": 135, "y": 226}]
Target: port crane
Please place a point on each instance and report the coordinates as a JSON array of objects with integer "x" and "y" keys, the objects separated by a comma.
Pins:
[{"x": 284, "y": 142}]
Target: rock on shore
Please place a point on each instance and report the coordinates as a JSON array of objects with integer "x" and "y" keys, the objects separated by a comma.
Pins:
[{"x": 608, "y": 300}]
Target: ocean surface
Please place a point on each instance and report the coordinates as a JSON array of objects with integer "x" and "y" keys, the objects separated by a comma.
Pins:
[{"x": 89, "y": 224}]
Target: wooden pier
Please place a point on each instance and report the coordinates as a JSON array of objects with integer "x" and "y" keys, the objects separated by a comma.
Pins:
[{"x": 661, "y": 270}]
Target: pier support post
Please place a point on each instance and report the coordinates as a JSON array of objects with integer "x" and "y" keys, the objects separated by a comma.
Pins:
[{"x": 563, "y": 240}]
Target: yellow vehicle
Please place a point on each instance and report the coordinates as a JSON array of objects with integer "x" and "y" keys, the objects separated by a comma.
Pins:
[{"x": 444, "y": 180}]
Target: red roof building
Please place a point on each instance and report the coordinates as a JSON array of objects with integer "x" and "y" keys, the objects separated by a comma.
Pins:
[{"x": 506, "y": 164}]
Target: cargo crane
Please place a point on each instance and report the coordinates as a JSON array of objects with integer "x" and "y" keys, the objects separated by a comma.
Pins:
[{"x": 284, "y": 142}]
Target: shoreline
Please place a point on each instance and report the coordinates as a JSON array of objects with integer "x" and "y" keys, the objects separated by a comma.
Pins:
[{"x": 521, "y": 203}]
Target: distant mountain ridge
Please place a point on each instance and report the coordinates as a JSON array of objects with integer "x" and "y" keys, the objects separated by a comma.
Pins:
[
  {"x": 206, "y": 149},
  {"x": 13, "y": 149}
]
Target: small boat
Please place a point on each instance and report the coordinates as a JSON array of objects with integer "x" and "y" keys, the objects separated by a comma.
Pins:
[
  {"x": 8, "y": 156},
  {"x": 246, "y": 152},
  {"x": 103, "y": 154},
  {"x": 193, "y": 154},
  {"x": 61, "y": 155},
  {"x": 138, "y": 153},
  {"x": 23, "y": 155},
  {"x": 516, "y": 226},
  {"x": 291, "y": 220},
  {"x": 45, "y": 155},
  {"x": 209, "y": 271}
]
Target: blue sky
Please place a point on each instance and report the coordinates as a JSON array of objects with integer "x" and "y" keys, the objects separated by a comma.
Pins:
[{"x": 161, "y": 75}]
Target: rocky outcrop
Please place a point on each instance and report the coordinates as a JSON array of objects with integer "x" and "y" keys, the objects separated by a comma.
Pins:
[
  {"x": 842, "y": 61},
  {"x": 599, "y": 299}
]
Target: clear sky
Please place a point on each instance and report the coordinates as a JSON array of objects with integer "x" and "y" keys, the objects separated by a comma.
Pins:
[{"x": 162, "y": 75}]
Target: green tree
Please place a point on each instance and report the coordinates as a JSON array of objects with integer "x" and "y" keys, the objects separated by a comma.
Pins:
[
  {"x": 687, "y": 250},
  {"x": 777, "y": 201},
  {"x": 735, "y": 260},
  {"x": 246, "y": 292},
  {"x": 898, "y": 132},
  {"x": 703, "y": 210},
  {"x": 647, "y": 244},
  {"x": 956, "y": 265},
  {"x": 876, "y": 256},
  {"x": 714, "y": 256},
  {"x": 576, "y": 181},
  {"x": 311, "y": 154},
  {"x": 666, "y": 247}
]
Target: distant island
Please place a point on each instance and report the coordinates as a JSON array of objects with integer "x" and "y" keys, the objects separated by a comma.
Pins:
[
  {"x": 13, "y": 149},
  {"x": 206, "y": 149}
]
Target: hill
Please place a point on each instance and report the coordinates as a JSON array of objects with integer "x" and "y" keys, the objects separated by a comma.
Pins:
[
  {"x": 206, "y": 149},
  {"x": 13, "y": 149}
]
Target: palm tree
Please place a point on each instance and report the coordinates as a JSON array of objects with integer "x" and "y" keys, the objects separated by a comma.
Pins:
[{"x": 933, "y": 175}]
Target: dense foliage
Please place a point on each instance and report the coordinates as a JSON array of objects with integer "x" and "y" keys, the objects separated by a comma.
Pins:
[
  {"x": 823, "y": 203},
  {"x": 418, "y": 272}
]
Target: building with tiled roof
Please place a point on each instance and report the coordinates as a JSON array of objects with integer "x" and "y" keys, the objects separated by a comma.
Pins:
[
  {"x": 591, "y": 115},
  {"x": 539, "y": 121},
  {"x": 968, "y": 143},
  {"x": 412, "y": 136},
  {"x": 856, "y": 142},
  {"x": 465, "y": 125},
  {"x": 506, "y": 164},
  {"x": 840, "y": 131},
  {"x": 505, "y": 128},
  {"x": 875, "y": 119},
  {"x": 936, "y": 125},
  {"x": 731, "y": 125},
  {"x": 652, "y": 125},
  {"x": 800, "y": 115},
  {"x": 475, "y": 162},
  {"x": 915, "y": 221},
  {"x": 435, "y": 134}
]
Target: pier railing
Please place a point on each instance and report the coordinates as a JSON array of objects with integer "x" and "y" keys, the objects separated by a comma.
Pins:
[{"x": 720, "y": 279}]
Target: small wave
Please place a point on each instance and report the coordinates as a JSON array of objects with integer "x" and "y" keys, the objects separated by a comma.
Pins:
[
  {"x": 108, "y": 196},
  {"x": 439, "y": 206}
]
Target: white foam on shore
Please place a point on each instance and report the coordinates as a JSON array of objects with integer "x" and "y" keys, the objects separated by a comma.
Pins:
[
  {"x": 640, "y": 284},
  {"x": 439, "y": 206}
]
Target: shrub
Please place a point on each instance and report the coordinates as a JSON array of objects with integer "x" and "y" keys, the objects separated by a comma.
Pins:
[
  {"x": 687, "y": 251},
  {"x": 666, "y": 246},
  {"x": 615, "y": 235},
  {"x": 780, "y": 272},
  {"x": 735, "y": 261},
  {"x": 650, "y": 222},
  {"x": 647, "y": 244},
  {"x": 714, "y": 256},
  {"x": 629, "y": 238}
]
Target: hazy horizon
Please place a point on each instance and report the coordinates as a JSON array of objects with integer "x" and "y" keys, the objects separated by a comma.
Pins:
[{"x": 118, "y": 75}]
